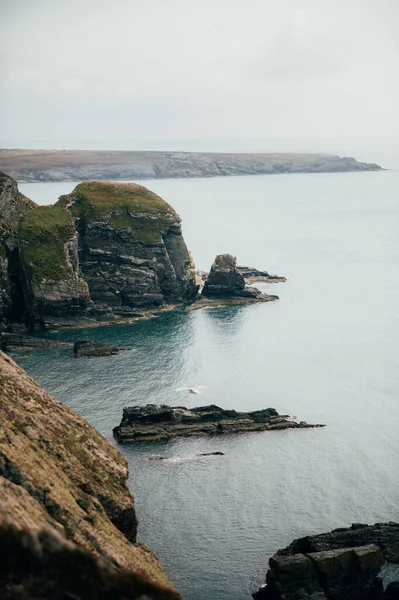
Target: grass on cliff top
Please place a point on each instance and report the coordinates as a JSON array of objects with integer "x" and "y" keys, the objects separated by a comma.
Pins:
[
  {"x": 97, "y": 199},
  {"x": 43, "y": 234},
  {"x": 122, "y": 206}
]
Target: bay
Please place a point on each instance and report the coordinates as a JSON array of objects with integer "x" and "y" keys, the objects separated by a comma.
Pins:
[{"x": 326, "y": 352}]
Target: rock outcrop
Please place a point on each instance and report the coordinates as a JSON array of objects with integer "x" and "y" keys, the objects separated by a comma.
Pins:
[
  {"x": 225, "y": 284},
  {"x": 64, "y": 501},
  {"x": 89, "y": 349},
  {"x": 77, "y": 165},
  {"x": 107, "y": 251},
  {"x": 13, "y": 207},
  {"x": 17, "y": 341},
  {"x": 153, "y": 422},
  {"x": 343, "y": 564},
  {"x": 252, "y": 275}
]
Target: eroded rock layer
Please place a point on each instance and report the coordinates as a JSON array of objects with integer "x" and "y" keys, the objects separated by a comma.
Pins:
[
  {"x": 57, "y": 473},
  {"x": 153, "y": 422}
]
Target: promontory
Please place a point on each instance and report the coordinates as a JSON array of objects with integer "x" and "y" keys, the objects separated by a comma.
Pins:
[{"x": 76, "y": 165}]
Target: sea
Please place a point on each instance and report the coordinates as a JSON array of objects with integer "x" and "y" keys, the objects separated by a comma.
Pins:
[{"x": 326, "y": 352}]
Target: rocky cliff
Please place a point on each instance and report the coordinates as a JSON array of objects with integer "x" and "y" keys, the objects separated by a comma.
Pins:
[
  {"x": 343, "y": 564},
  {"x": 67, "y": 517},
  {"x": 106, "y": 251},
  {"x": 76, "y": 165},
  {"x": 13, "y": 207}
]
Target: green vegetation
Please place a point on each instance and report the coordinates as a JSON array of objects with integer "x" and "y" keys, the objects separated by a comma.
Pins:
[
  {"x": 43, "y": 234},
  {"x": 122, "y": 206}
]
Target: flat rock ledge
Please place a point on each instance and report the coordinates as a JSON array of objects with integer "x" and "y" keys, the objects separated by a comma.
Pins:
[
  {"x": 17, "y": 341},
  {"x": 252, "y": 275},
  {"x": 89, "y": 349},
  {"x": 153, "y": 422}
]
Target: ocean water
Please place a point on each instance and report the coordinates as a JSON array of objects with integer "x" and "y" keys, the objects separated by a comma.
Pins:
[{"x": 327, "y": 352}]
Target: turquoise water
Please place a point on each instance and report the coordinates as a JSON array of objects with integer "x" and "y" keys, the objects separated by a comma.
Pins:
[{"x": 326, "y": 352}]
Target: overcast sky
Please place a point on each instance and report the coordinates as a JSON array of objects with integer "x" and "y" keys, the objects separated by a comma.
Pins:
[{"x": 99, "y": 69}]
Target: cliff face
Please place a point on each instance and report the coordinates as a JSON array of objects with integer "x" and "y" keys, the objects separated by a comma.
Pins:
[
  {"x": 58, "y": 475},
  {"x": 13, "y": 207},
  {"x": 106, "y": 251}
]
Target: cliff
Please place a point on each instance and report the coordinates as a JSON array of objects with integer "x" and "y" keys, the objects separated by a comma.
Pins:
[
  {"x": 13, "y": 207},
  {"x": 66, "y": 513},
  {"x": 342, "y": 564},
  {"x": 77, "y": 165},
  {"x": 106, "y": 251}
]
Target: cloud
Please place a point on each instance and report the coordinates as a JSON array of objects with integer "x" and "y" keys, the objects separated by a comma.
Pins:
[{"x": 220, "y": 68}]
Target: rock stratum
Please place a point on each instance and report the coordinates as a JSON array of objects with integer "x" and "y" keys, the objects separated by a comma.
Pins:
[
  {"x": 76, "y": 165},
  {"x": 343, "y": 564},
  {"x": 67, "y": 519},
  {"x": 153, "y": 422},
  {"x": 107, "y": 251}
]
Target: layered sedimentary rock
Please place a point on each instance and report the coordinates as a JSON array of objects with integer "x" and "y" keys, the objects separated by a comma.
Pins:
[
  {"x": 15, "y": 341},
  {"x": 63, "y": 484},
  {"x": 13, "y": 208},
  {"x": 55, "y": 292},
  {"x": 226, "y": 283},
  {"x": 252, "y": 275},
  {"x": 106, "y": 251},
  {"x": 76, "y": 165},
  {"x": 343, "y": 564},
  {"x": 153, "y": 422},
  {"x": 131, "y": 250}
]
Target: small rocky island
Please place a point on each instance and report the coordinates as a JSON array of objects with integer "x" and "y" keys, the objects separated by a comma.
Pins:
[{"x": 153, "y": 422}]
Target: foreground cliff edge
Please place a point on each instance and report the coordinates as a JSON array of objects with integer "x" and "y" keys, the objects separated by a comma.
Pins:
[
  {"x": 105, "y": 253},
  {"x": 64, "y": 499}
]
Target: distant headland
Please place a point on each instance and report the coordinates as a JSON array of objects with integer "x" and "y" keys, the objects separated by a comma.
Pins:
[{"x": 76, "y": 165}]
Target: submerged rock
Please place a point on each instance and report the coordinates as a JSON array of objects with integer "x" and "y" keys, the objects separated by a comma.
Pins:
[
  {"x": 343, "y": 564},
  {"x": 17, "y": 341},
  {"x": 88, "y": 349},
  {"x": 153, "y": 422}
]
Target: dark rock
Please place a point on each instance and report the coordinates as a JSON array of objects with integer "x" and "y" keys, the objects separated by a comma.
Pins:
[
  {"x": 252, "y": 275},
  {"x": 88, "y": 349},
  {"x": 13, "y": 208},
  {"x": 223, "y": 278},
  {"x": 226, "y": 285},
  {"x": 153, "y": 422},
  {"x": 15, "y": 341},
  {"x": 392, "y": 591},
  {"x": 343, "y": 564}
]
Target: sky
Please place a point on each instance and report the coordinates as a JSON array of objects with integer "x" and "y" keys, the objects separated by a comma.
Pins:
[{"x": 188, "y": 69}]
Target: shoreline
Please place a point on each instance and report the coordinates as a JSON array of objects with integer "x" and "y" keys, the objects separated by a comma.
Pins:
[{"x": 45, "y": 166}]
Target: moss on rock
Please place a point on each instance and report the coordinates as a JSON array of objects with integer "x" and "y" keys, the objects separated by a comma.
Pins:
[{"x": 43, "y": 235}]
